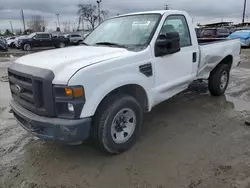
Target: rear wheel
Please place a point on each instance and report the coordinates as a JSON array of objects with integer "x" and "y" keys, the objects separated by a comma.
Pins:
[
  {"x": 26, "y": 47},
  {"x": 219, "y": 79},
  {"x": 117, "y": 123},
  {"x": 61, "y": 45}
]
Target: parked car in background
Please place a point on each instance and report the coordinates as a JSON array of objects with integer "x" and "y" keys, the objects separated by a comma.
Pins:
[
  {"x": 18, "y": 40},
  {"x": 3, "y": 44},
  {"x": 74, "y": 38},
  {"x": 11, "y": 41},
  {"x": 42, "y": 39},
  {"x": 243, "y": 35},
  {"x": 215, "y": 33}
]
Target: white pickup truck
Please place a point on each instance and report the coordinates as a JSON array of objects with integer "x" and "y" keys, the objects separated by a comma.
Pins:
[{"x": 126, "y": 66}]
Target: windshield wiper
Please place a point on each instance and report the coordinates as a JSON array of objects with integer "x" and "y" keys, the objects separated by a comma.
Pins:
[{"x": 110, "y": 44}]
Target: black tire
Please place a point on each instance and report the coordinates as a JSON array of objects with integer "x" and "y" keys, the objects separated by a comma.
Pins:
[
  {"x": 215, "y": 83},
  {"x": 79, "y": 42},
  {"x": 62, "y": 45},
  {"x": 12, "y": 45},
  {"x": 102, "y": 122},
  {"x": 27, "y": 47}
]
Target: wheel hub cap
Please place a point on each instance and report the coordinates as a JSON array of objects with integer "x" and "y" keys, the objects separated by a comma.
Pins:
[
  {"x": 223, "y": 80},
  {"x": 123, "y": 125}
]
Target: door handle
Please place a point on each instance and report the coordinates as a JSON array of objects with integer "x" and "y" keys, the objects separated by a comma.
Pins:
[{"x": 194, "y": 57}]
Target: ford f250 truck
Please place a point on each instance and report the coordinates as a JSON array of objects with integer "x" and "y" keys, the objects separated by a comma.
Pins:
[{"x": 126, "y": 66}]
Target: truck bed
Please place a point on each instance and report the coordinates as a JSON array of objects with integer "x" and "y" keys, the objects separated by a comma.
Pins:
[
  {"x": 205, "y": 41},
  {"x": 213, "y": 51}
]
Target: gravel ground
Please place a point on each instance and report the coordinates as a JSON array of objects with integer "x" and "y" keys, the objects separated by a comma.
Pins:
[{"x": 191, "y": 141}]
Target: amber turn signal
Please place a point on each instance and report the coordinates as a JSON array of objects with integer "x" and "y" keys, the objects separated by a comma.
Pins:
[
  {"x": 74, "y": 92},
  {"x": 69, "y": 92},
  {"x": 78, "y": 92}
]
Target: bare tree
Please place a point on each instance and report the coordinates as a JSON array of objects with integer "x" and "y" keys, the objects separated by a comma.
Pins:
[
  {"x": 89, "y": 13},
  {"x": 37, "y": 23}
]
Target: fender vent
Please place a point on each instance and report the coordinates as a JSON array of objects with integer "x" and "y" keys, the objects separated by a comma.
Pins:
[{"x": 146, "y": 69}]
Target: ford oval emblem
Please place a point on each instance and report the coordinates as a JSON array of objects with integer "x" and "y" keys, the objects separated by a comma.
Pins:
[{"x": 18, "y": 88}]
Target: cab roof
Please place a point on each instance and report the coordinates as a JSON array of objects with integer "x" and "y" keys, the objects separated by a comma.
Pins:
[{"x": 155, "y": 12}]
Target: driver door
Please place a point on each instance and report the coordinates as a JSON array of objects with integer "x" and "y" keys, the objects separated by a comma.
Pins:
[
  {"x": 37, "y": 40},
  {"x": 174, "y": 72}
]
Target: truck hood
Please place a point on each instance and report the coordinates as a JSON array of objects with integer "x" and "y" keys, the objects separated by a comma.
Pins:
[{"x": 65, "y": 62}]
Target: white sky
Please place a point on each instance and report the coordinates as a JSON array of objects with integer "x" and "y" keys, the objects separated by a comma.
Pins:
[{"x": 203, "y": 11}]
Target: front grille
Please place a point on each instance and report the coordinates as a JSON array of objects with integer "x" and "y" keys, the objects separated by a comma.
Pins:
[
  {"x": 31, "y": 87},
  {"x": 27, "y": 92}
]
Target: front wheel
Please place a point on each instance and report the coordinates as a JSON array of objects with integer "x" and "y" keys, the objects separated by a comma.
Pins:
[
  {"x": 79, "y": 42},
  {"x": 26, "y": 47},
  {"x": 218, "y": 80},
  {"x": 117, "y": 123}
]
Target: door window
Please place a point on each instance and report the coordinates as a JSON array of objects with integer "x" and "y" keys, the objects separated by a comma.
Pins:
[
  {"x": 45, "y": 36},
  {"x": 178, "y": 23},
  {"x": 38, "y": 36},
  {"x": 76, "y": 36}
]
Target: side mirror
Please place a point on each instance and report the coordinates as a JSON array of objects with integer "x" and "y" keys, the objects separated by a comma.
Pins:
[
  {"x": 167, "y": 44},
  {"x": 34, "y": 37}
]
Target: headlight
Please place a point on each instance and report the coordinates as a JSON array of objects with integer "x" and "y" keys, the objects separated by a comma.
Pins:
[{"x": 69, "y": 101}]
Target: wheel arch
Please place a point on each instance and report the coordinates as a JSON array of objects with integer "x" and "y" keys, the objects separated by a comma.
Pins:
[
  {"x": 138, "y": 91},
  {"x": 228, "y": 60},
  {"x": 134, "y": 90}
]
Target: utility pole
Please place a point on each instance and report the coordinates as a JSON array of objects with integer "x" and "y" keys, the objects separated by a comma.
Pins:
[
  {"x": 56, "y": 24},
  {"x": 58, "y": 20},
  {"x": 24, "y": 29},
  {"x": 244, "y": 12},
  {"x": 11, "y": 27},
  {"x": 99, "y": 11},
  {"x": 166, "y": 7}
]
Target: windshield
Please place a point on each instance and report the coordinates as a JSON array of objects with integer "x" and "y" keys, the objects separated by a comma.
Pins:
[
  {"x": 127, "y": 30},
  {"x": 32, "y": 35}
]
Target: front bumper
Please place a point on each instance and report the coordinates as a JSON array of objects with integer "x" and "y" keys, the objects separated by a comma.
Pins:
[{"x": 56, "y": 129}]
